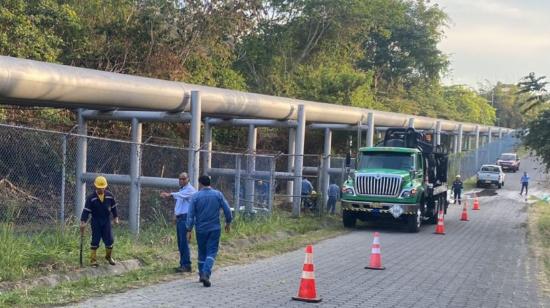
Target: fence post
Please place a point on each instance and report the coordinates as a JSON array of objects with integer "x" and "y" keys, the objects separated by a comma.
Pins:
[
  {"x": 271, "y": 185},
  {"x": 237, "y": 184},
  {"x": 63, "y": 178},
  {"x": 477, "y": 146},
  {"x": 290, "y": 162},
  {"x": 459, "y": 138},
  {"x": 326, "y": 167}
]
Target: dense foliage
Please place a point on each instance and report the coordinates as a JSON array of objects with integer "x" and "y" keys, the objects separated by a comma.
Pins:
[
  {"x": 538, "y": 137},
  {"x": 379, "y": 54}
]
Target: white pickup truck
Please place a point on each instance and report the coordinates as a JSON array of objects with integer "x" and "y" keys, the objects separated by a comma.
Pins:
[{"x": 490, "y": 174}]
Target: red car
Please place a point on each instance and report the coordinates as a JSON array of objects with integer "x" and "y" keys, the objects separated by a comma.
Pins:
[{"x": 509, "y": 161}]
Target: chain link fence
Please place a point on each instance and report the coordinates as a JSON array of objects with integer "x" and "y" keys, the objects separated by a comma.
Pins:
[
  {"x": 467, "y": 163},
  {"x": 38, "y": 175}
]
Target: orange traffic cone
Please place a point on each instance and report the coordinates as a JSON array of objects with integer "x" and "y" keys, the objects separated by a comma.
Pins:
[
  {"x": 464, "y": 216},
  {"x": 440, "y": 228},
  {"x": 375, "y": 257},
  {"x": 476, "y": 204},
  {"x": 307, "y": 292}
]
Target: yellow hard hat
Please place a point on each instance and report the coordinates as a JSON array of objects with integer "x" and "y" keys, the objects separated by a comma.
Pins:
[{"x": 100, "y": 182}]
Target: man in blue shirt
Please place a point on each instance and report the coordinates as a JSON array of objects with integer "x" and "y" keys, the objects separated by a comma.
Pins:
[
  {"x": 333, "y": 195},
  {"x": 204, "y": 214},
  {"x": 183, "y": 199},
  {"x": 263, "y": 189},
  {"x": 524, "y": 183}
]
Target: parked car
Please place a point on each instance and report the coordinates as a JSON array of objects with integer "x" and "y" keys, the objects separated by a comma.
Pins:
[
  {"x": 490, "y": 175},
  {"x": 509, "y": 161}
]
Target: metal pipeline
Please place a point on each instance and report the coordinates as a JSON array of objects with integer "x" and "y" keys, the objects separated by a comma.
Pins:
[{"x": 28, "y": 82}]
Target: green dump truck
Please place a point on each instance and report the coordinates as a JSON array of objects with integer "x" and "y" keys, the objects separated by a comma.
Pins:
[{"x": 404, "y": 178}]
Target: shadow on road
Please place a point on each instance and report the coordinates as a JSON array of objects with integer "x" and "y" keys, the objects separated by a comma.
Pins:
[{"x": 488, "y": 192}]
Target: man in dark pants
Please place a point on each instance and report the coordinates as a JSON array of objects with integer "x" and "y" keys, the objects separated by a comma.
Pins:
[
  {"x": 457, "y": 189},
  {"x": 524, "y": 184},
  {"x": 333, "y": 195},
  {"x": 263, "y": 190},
  {"x": 100, "y": 205},
  {"x": 204, "y": 213},
  {"x": 183, "y": 199}
]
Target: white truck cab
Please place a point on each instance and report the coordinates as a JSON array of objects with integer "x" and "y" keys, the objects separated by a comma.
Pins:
[{"x": 490, "y": 175}]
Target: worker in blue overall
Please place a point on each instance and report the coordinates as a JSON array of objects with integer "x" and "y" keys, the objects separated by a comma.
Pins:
[
  {"x": 457, "y": 189},
  {"x": 333, "y": 196},
  {"x": 204, "y": 214},
  {"x": 183, "y": 199},
  {"x": 100, "y": 205}
]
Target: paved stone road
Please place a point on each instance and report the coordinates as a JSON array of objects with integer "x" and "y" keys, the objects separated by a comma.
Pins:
[{"x": 480, "y": 263}]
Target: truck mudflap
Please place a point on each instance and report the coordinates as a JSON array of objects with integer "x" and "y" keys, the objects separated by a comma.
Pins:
[{"x": 380, "y": 207}]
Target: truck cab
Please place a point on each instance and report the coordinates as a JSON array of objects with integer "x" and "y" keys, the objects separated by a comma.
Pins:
[{"x": 405, "y": 183}]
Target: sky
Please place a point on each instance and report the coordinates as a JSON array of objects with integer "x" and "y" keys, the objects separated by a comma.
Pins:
[{"x": 488, "y": 41}]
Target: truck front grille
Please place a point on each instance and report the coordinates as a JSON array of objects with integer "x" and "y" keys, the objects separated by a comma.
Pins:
[{"x": 376, "y": 185}]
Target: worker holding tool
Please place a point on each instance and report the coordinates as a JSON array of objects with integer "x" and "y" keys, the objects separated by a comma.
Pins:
[{"x": 100, "y": 205}]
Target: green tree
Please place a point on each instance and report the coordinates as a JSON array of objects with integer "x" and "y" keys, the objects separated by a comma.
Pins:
[
  {"x": 507, "y": 103},
  {"x": 36, "y": 29},
  {"x": 464, "y": 103},
  {"x": 536, "y": 88},
  {"x": 538, "y": 138}
]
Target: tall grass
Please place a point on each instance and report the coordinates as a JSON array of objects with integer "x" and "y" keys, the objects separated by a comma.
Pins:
[
  {"x": 24, "y": 255},
  {"x": 31, "y": 254},
  {"x": 539, "y": 231}
]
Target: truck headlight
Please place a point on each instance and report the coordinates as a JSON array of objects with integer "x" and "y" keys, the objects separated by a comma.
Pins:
[
  {"x": 408, "y": 193},
  {"x": 348, "y": 190}
]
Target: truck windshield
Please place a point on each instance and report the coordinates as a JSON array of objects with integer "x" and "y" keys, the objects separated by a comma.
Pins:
[
  {"x": 508, "y": 157},
  {"x": 385, "y": 160},
  {"x": 490, "y": 169}
]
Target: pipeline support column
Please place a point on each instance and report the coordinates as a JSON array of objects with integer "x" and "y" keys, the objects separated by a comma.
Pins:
[
  {"x": 135, "y": 171},
  {"x": 195, "y": 138},
  {"x": 299, "y": 160},
  {"x": 81, "y": 158}
]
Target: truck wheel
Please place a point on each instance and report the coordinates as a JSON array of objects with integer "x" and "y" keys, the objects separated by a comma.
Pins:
[
  {"x": 414, "y": 222},
  {"x": 349, "y": 219},
  {"x": 499, "y": 185},
  {"x": 478, "y": 185}
]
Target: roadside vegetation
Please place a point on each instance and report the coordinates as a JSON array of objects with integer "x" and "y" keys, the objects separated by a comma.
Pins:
[
  {"x": 26, "y": 255},
  {"x": 539, "y": 230},
  {"x": 470, "y": 183}
]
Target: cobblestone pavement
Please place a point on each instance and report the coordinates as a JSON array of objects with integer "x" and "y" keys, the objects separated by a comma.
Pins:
[{"x": 480, "y": 263}]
